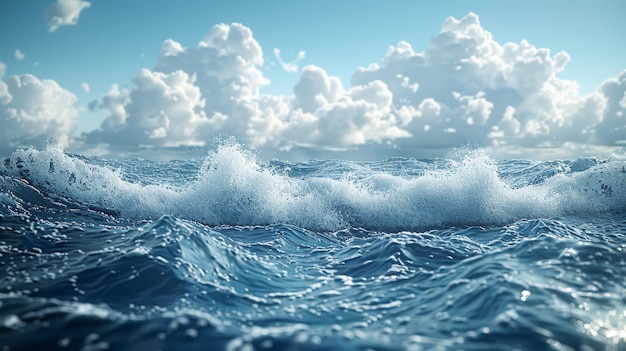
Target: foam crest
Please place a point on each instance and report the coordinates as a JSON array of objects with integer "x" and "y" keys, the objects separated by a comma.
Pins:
[
  {"x": 96, "y": 186},
  {"x": 468, "y": 193},
  {"x": 232, "y": 188},
  {"x": 599, "y": 188}
]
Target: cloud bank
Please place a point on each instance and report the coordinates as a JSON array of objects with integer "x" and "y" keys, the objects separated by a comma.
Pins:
[
  {"x": 64, "y": 13},
  {"x": 464, "y": 89},
  {"x": 468, "y": 88},
  {"x": 34, "y": 110}
]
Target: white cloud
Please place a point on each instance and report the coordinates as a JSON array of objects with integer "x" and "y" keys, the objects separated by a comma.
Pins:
[
  {"x": 487, "y": 92},
  {"x": 85, "y": 87},
  {"x": 34, "y": 110},
  {"x": 223, "y": 71},
  {"x": 325, "y": 115},
  {"x": 464, "y": 88},
  {"x": 161, "y": 109},
  {"x": 316, "y": 89},
  {"x": 612, "y": 127},
  {"x": 5, "y": 96},
  {"x": 207, "y": 90},
  {"x": 291, "y": 67},
  {"x": 19, "y": 55},
  {"x": 226, "y": 64},
  {"x": 64, "y": 13}
]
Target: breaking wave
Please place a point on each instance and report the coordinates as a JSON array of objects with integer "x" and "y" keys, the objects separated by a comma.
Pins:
[{"x": 231, "y": 187}]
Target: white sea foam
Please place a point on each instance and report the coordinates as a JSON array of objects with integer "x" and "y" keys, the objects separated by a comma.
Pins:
[{"x": 233, "y": 188}]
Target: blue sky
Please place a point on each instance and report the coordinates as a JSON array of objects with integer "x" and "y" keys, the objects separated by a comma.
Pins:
[{"x": 113, "y": 40}]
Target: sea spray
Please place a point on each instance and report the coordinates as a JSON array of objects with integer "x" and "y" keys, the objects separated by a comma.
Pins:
[{"x": 232, "y": 187}]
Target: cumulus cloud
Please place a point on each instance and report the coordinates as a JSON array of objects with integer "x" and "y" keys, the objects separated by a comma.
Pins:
[
  {"x": 64, "y": 13},
  {"x": 226, "y": 64},
  {"x": 465, "y": 88},
  {"x": 213, "y": 89},
  {"x": 5, "y": 96},
  {"x": 325, "y": 115},
  {"x": 192, "y": 94},
  {"x": 34, "y": 110},
  {"x": 468, "y": 88},
  {"x": 291, "y": 67},
  {"x": 162, "y": 109},
  {"x": 19, "y": 55},
  {"x": 611, "y": 129}
]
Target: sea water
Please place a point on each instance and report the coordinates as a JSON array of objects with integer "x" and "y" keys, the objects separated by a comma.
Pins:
[{"x": 236, "y": 253}]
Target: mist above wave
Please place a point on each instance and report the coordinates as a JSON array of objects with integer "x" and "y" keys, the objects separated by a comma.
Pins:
[{"x": 233, "y": 188}]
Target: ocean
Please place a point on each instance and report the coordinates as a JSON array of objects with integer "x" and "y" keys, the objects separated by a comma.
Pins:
[{"x": 232, "y": 252}]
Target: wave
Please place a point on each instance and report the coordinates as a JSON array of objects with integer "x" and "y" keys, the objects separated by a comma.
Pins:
[{"x": 233, "y": 188}]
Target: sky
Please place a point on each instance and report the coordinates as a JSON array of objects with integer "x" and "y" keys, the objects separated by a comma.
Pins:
[{"x": 326, "y": 79}]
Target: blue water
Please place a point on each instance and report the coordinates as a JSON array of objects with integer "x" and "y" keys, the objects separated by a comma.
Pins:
[{"x": 236, "y": 253}]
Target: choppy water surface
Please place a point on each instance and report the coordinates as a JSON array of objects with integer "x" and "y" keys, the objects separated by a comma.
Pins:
[{"x": 235, "y": 253}]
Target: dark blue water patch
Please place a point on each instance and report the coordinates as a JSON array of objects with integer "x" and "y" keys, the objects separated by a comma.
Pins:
[
  {"x": 281, "y": 286},
  {"x": 79, "y": 326}
]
